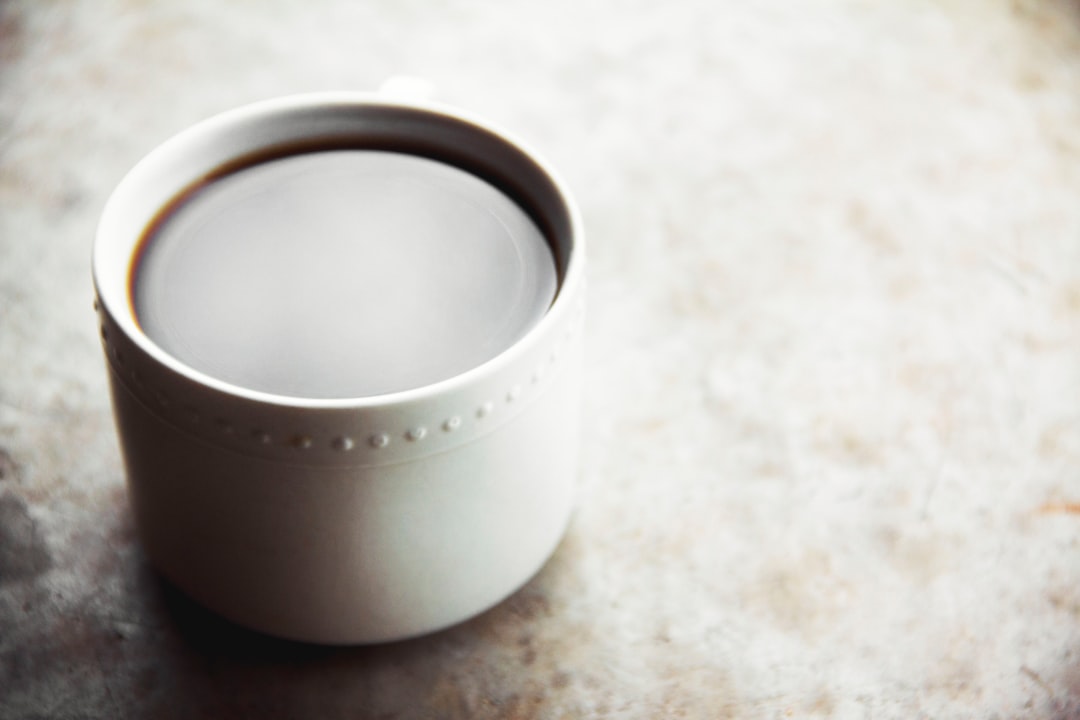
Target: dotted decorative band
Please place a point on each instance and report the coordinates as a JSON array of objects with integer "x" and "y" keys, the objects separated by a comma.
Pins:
[{"x": 350, "y": 442}]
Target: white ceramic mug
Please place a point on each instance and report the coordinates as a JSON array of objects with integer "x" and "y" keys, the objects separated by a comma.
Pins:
[{"x": 354, "y": 520}]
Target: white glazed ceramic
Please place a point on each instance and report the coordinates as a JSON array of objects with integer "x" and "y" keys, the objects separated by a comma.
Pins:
[{"x": 354, "y": 520}]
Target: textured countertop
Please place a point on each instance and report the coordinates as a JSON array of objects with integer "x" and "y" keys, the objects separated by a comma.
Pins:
[{"x": 831, "y": 437}]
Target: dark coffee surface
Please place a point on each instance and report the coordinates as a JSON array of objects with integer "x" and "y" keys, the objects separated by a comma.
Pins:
[{"x": 340, "y": 274}]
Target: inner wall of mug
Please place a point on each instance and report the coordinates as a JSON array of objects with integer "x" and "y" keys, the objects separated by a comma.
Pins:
[{"x": 259, "y": 133}]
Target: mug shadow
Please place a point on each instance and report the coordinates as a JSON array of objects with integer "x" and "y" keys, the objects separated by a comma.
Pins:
[
  {"x": 217, "y": 668},
  {"x": 211, "y": 667},
  {"x": 208, "y": 634},
  {"x": 213, "y": 637},
  {"x": 157, "y": 653}
]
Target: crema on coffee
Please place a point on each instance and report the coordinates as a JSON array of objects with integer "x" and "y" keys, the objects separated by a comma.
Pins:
[{"x": 341, "y": 273}]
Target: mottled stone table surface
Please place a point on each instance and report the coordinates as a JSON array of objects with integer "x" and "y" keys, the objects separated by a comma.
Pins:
[{"x": 831, "y": 436}]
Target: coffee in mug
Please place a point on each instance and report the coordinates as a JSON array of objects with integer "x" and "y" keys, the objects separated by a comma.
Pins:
[{"x": 341, "y": 272}]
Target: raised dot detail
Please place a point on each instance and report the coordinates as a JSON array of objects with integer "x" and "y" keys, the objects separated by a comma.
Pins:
[
  {"x": 485, "y": 409},
  {"x": 262, "y": 437},
  {"x": 416, "y": 433},
  {"x": 451, "y": 424},
  {"x": 343, "y": 443},
  {"x": 301, "y": 442},
  {"x": 380, "y": 440},
  {"x": 224, "y": 426},
  {"x": 514, "y": 394}
]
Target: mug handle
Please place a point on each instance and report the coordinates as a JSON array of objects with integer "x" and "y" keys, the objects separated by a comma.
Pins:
[{"x": 407, "y": 87}]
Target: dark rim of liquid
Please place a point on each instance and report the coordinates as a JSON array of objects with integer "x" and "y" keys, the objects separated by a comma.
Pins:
[{"x": 514, "y": 190}]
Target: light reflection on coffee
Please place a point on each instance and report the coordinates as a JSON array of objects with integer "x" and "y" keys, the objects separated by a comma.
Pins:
[{"x": 341, "y": 274}]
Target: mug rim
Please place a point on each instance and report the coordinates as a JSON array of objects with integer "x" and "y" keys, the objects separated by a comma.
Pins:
[{"x": 116, "y": 303}]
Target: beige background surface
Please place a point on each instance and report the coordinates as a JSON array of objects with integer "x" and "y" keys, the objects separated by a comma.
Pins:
[{"x": 832, "y": 423}]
